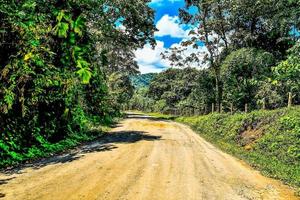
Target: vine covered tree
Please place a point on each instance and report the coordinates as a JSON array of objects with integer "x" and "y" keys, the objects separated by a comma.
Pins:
[{"x": 55, "y": 60}]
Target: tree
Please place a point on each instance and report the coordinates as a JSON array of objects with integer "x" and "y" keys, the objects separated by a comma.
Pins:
[
  {"x": 120, "y": 87},
  {"x": 119, "y": 28},
  {"x": 172, "y": 86},
  {"x": 55, "y": 56},
  {"x": 242, "y": 72},
  {"x": 287, "y": 72},
  {"x": 264, "y": 24},
  {"x": 211, "y": 30},
  {"x": 203, "y": 94},
  {"x": 226, "y": 26},
  {"x": 141, "y": 101}
]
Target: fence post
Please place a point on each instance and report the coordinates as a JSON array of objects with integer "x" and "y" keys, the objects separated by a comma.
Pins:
[
  {"x": 231, "y": 108},
  {"x": 290, "y": 101},
  {"x": 246, "y": 108},
  {"x": 264, "y": 104}
]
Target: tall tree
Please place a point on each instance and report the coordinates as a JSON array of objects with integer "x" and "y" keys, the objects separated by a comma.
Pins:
[
  {"x": 55, "y": 55},
  {"x": 225, "y": 26}
]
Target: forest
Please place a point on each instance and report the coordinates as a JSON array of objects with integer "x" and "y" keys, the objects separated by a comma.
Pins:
[
  {"x": 68, "y": 70},
  {"x": 245, "y": 98},
  {"x": 98, "y": 102},
  {"x": 64, "y": 68},
  {"x": 251, "y": 61}
]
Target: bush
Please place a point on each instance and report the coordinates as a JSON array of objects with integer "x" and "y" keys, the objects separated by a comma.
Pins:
[{"x": 268, "y": 140}]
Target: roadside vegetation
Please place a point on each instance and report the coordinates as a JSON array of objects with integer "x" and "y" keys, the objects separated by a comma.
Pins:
[
  {"x": 267, "y": 140},
  {"x": 68, "y": 69},
  {"x": 62, "y": 71},
  {"x": 245, "y": 97},
  {"x": 247, "y": 59}
]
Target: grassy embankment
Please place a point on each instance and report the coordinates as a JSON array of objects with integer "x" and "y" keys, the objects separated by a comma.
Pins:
[
  {"x": 46, "y": 149},
  {"x": 161, "y": 116},
  {"x": 267, "y": 140}
]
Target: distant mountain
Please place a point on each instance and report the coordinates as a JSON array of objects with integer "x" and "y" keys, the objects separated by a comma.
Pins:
[{"x": 142, "y": 80}]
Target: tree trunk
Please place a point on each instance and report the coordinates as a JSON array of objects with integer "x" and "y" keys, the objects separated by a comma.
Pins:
[
  {"x": 264, "y": 104},
  {"x": 290, "y": 101},
  {"x": 246, "y": 108},
  {"x": 218, "y": 89}
]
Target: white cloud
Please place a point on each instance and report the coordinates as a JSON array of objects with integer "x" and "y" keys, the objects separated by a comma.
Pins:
[
  {"x": 147, "y": 55},
  {"x": 144, "y": 69},
  {"x": 161, "y": 2},
  {"x": 200, "y": 52},
  {"x": 169, "y": 26},
  {"x": 156, "y": 1},
  {"x": 149, "y": 60}
]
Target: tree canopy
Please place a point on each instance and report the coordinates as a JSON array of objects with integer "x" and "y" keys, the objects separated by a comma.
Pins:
[
  {"x": 246, "y": 53},
  {"x": 55, "y": 63}
]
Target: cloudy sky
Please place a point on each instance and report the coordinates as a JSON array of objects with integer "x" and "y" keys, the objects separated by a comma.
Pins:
[{"x": 170, "y": 34}]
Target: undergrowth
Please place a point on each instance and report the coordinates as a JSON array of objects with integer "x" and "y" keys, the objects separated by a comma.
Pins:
[
  {"x": 13, "y": 154},
  {"x": 161, "y": 116},
  {"x": 267, "y": 140}
]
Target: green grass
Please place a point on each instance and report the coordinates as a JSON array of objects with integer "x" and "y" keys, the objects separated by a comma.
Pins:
[
  {"x": 267, "y": 140},
  {"x": 155, "y": 115},
  {"x": 162, "y": 116}
]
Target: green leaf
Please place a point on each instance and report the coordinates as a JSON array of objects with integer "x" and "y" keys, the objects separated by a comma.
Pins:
[
  {"x": 60, "y": 15},
  {"x": 29, "y": 5},
  {"x": 79, "y": 26},
  {"x": 72, "y": 38},
  {"x": 77, "y": 52},
  {"x": 9, "y": 98},
  {"x": 82, "y": 64},
  {"x": 61, "y": 29},
  {"x": 35, "y": 43},
  {"x": 85, "y": 75},
  {"x": 28, "y": 56}
]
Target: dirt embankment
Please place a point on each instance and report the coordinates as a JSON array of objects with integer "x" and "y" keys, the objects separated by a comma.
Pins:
[{"x": 143, "y": 159}]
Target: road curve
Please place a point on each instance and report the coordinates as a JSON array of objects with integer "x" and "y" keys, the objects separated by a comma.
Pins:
[{"x": 143, "y": 159}]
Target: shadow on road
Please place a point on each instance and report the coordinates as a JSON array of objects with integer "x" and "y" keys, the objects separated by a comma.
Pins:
[
  {"x": 129, "y": 137},
  {"x": 107, "y": 142},
  {"x": 5, "y": 181}
]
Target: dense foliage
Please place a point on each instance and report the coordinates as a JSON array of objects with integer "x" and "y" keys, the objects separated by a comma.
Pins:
[
  {"x": 56, "y": 57},
  {"x": 173, "y": 88},
  {"x": 251, "y": 58},
  {"x": 142, "y": 80},
  {"x": 242, "y": 72},
  {"x": 268, "y": 140}
]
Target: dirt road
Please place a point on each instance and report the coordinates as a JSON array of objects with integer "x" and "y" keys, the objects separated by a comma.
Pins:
[{"x": 143, "y": 159}]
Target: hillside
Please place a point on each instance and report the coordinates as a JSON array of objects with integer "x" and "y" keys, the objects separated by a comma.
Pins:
[
  {"x": 142, "y": 80},
  {"x": 268, "y": 140}
]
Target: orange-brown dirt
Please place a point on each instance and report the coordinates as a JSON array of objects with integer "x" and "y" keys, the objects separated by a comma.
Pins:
[{"x": 143, "y": 159}]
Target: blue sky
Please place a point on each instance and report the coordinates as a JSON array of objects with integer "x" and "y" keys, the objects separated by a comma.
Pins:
[
  {"x": 170, "y": 34},
  {"x": 166, "y": 8}
]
